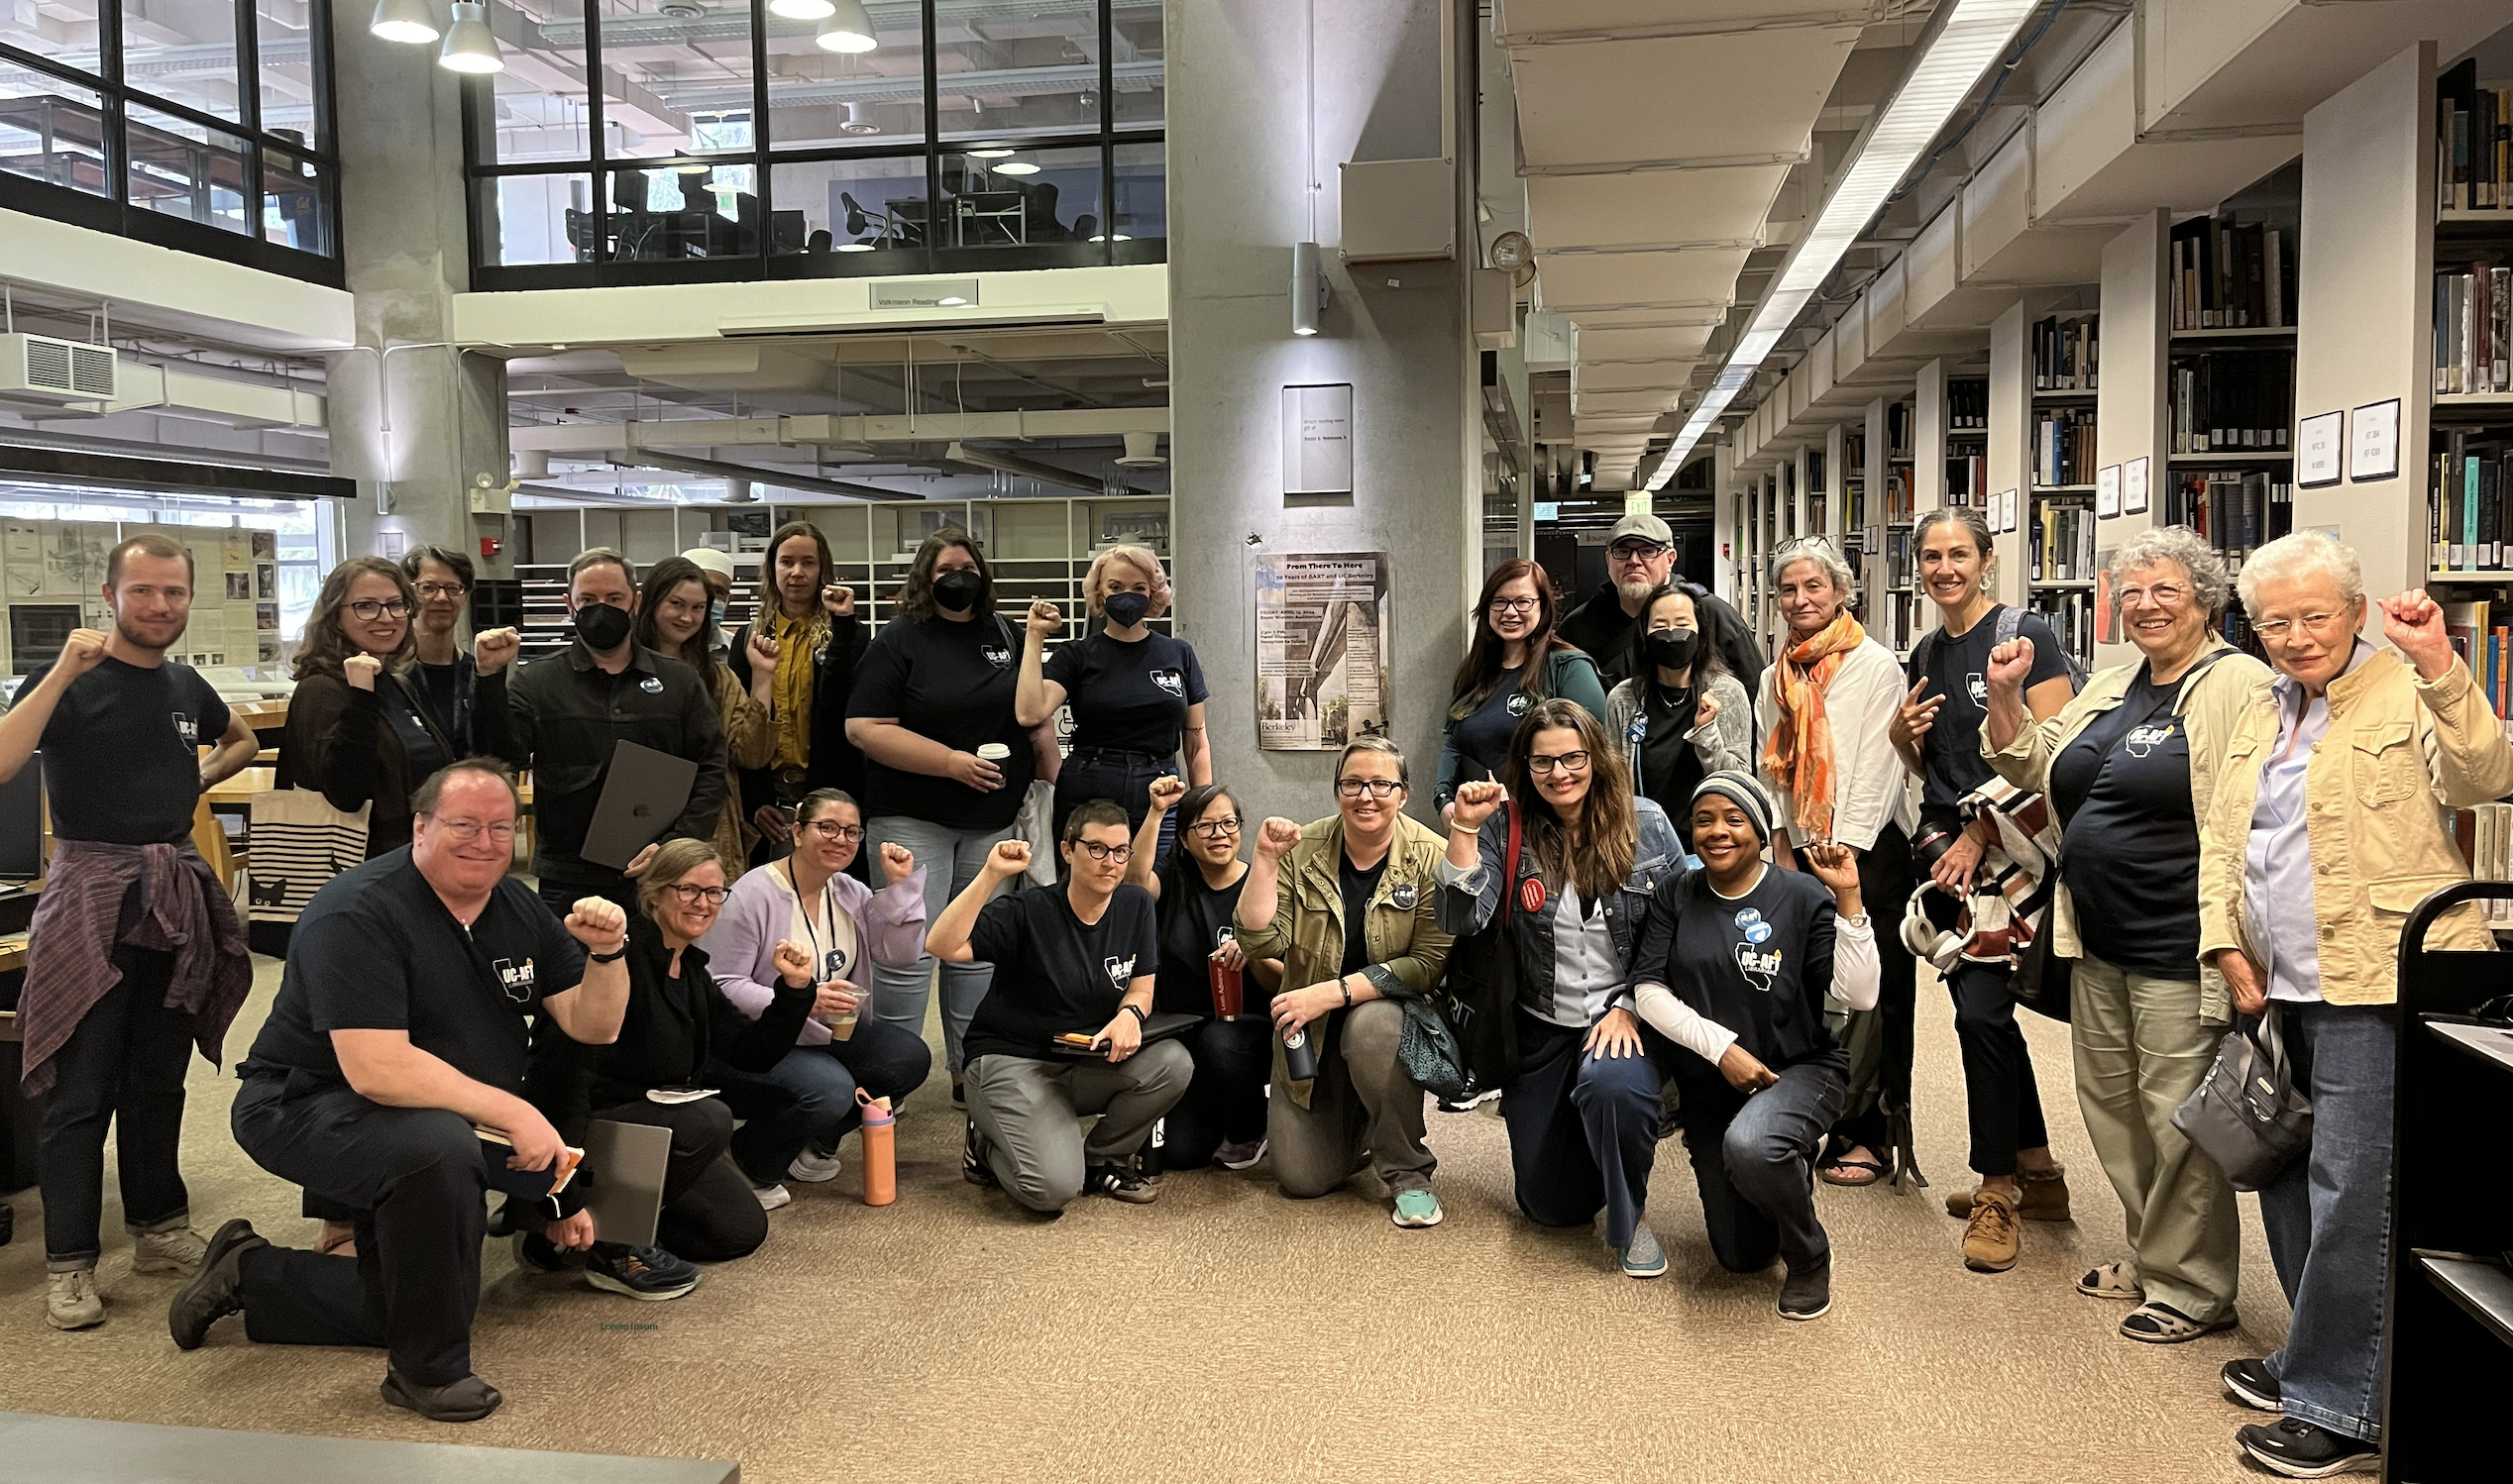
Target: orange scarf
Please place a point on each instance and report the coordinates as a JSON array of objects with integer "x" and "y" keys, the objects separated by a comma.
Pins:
[{"x": 1798, "y": 757}]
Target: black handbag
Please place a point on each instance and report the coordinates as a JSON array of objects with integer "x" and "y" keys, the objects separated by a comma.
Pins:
[{"x": 1476, "y": 995}]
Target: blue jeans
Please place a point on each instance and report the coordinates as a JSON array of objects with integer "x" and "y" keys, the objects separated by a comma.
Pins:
[
  {"x": 1123, "y": 778},
  {"x": 1583, "y": 1129},
  {"x": 1753, "y": 1160},
  {"x": 882, "y": 1059},
  {"x": 952, "y": 858},
  {"x": 2328, "y": 1217}
]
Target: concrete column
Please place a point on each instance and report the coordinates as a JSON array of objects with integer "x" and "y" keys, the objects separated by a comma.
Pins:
[
  {"x": 415, "y": 427},
  {"x": 2008, "y": 452},
  {"x": 1241, "y": 163},
  {"x": 2130, "y": 401}
]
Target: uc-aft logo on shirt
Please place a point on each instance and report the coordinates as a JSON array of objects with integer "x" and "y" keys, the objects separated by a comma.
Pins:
[
  {"x": 1170, "y": 681},
  {"x": 516, "y": 978},
  {"x": 2146, "y": 739},
  {"x": 996, "y": 655},
  {"x": 1120, "y": 970},
  {"x": 1978, "y": 686},
  {"x": 188, "y": 729},
  {"x": 1757, "y": 966}
]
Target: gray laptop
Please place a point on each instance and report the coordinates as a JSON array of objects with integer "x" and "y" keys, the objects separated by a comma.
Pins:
[
  {"x": 644, "y": 791},
  {"x": 627, "y": 1161}
]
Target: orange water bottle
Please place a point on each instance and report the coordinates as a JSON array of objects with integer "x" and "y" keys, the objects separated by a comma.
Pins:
[{"x": 881, "y": 1153}]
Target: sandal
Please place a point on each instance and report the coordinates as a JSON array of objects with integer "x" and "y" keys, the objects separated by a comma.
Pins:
[
  {"x": 2111, "y": 1280},
  {"x": 1854, "y": 1173},
  {"x": 2163, "y": 1325}
]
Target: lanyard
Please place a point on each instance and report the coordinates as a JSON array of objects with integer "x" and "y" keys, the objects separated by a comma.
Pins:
[{"x": 828, "y": 912}]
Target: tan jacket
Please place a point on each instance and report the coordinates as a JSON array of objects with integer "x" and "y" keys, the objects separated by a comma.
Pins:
[
  {"x": 2398, "y": 750},
  {"x": 1407, "y": 950},
  {"x": 2210, "y": 702},
  {"x": 750, "y": 739}
]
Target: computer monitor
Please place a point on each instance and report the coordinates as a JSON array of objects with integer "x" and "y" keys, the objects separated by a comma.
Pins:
[{"x": 21, "y": 823}]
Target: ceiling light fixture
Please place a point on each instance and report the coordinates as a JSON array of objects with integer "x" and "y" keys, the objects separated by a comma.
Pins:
[
  {"x": 845, "y": 28},
  {"x": 409, "y": 22},
  {"x": 857, "y": 121},
  {"x": 1968, "y": 40},
  {"x": 854, "y": 246},
  {"x": 989, "y": 154},
  {"x": 1308, "y": 288},
  {"x": 469, "y": 46},
  {"x": 1015, "y": 167},
  {"x": 803, "y": 10}
]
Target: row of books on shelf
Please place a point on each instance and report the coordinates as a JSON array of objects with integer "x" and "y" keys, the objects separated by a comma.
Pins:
[
  {"x": 1899, "y": 503},
  {"x": 2063, "y": 446},
  {"x": 2064, "y": 354},
  {"x": 2233, "y": 401},
  {"x": 2483, "y": 638},
  {"x": 1894, "y": 621},
  {"x": 2474, "y": 142},
  {"x": 2061, "y": 543},
  {"x": 2465, "y": 509},
  {"x": 1967, "y": 403},
  {"x": 1893, "y": 548},
  {"x": 1968, "y": 481},
  {"x": 2231, "y": 275},
  {"x": 2473, "y": 329},
  {"x": 2486, "y": 836},
  {"x": 2071, "y": 617},
  {"x": 2238, "y": 510}
]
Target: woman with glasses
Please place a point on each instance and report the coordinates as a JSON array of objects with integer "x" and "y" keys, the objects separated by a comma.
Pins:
[
  {"x": 2130, "y": 766},
  {"x": 809, "y": 898},
  {"x": 440, "y": 672},
  {"x": 1516, "y": 661},
  {"x": 1222, "y": 1118},
  {"x": 676, "y": 619},
  {"x": 1350, "y": 904},
  {"x": 1826, "y": 707},
  {"x": 1681, "y": 717},
  {"x": 1583, "y": 1107},
  {"x": 2329, "y": 827}
]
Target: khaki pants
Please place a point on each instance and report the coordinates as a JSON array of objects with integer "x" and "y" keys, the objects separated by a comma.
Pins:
[
  {"x": 1363, "y": 1108},
  {"x": 2140, "y": 1052}
]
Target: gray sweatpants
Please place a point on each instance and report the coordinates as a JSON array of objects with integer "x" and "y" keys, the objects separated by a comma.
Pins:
[{"x": 1026, "y": 1108}]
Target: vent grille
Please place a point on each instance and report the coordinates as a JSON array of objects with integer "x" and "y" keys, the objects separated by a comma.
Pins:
[
  {"x": 91, "y": 369},
  {"x": 48, "y": 363}
]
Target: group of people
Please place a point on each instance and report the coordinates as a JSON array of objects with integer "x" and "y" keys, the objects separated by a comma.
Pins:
[{"x": 1669, "y": 855}]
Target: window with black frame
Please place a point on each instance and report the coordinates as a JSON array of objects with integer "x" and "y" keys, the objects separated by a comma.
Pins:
[
  {"x": 757, "y": 139},
  {"x": 200, "y": 125}
]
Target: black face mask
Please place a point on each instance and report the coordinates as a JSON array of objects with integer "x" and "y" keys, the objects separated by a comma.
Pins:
[
  {"x": 1125, "y": 609},
  {"x": 601, "y": 626},
  {"x": 1674, "y": 649},
  {"x": 958, "y": 591}
]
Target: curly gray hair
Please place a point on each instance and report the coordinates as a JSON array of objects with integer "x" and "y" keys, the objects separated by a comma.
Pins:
[
  {"x": 1824, "y": 554},
  {"x": 2210, "y": 584},
  {"x": 2301, "y": 554}
]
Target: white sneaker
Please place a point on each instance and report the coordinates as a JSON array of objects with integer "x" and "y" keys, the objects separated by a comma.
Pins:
[
  {"x": 177, "y": 1251},
  {"x": 772, "y": 1196},
  {"x": 70, "y": 1300},
  {"x": 812, "y": 1168}
]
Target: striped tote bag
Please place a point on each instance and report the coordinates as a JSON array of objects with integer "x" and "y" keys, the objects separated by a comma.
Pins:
[{"x": 298, "y": 842}]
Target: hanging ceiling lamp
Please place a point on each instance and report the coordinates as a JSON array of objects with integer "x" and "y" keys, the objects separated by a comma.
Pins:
[
  {"x": 803, "y": 10},
  {"x": 469, "y": 48},
  {"x": 845, "y": 28},
  {"x": 409, "y": 22}
]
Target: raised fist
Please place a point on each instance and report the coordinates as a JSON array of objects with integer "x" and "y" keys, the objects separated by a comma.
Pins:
[
  {"x": 2009, "y": 663},
  {"x": 1009, "y": 858},
  {"x": 1277, "y": 836},
  {"x": 598, "y": 923},
  {"x": 361, "y": 671},
  {"x": 80, "y": 652},
  {"x": 897, "y": 862},
  {"x": 763, "y": 653},
  {"x": 1166, "y": 790},
  {"x": 494, "y": 649},
  {"x": 1477, "y": 801},
  {"x": 794, "y": 965},
  {"x": 1045, "y": 619},
  {"x": 838, "y": 599}
]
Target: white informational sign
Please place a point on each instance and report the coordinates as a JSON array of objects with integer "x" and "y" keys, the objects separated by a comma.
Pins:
[
  {"x": 2375, "y": 448},
  {"x": 2317, "y": 440},
  {"x": 1321, "y": 650},
  {"x": 2107, "y": 491},
  {"x": 2133, "y": 477},
  {"x": 2005, "y": 505},
  {"x": 1317, "y": 440}
]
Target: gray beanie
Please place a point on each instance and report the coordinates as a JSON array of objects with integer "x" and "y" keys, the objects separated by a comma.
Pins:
[{"x": 1746, "y": 792}]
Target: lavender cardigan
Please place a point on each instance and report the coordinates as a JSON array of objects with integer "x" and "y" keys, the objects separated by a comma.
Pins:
[{"x": 741, "y": 946}]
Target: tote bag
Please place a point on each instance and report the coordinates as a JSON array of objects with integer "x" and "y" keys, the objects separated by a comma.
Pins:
[{"x": 298, "y": 842}]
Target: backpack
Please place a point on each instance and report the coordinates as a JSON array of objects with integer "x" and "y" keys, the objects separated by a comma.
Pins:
[{"x": 2009, "y": 622}]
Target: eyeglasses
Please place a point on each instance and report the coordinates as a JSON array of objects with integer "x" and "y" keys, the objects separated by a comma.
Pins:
[
  {"x": 467, "y": 830},
  {"x": 1120, "y": 854},
  {"x": 1515, "y": 604},
  {"x": 2162, "y": 595},
  {"x": 1541, "y": 763},
  {"x": 842, "y": 833},
  {"x": 2276, "y": 630},
  {"x": 1214, "y": 829},
  {"x": 442, "y": 589},
  {"x": 691, "y": 895},
  {"x": 371, "y": 610},
  {"x": 1375, "y": 787},
  {"x": 1637, "y": 551}
]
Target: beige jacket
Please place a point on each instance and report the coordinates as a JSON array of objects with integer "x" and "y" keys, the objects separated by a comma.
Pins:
[
  {"x": 2399, "y": 750},
  {"x": 2210, "y": 702},
  {"x": 750, "y": 740}
]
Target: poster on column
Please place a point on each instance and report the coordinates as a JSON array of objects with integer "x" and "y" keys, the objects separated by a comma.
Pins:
[{"x": 1320, "y": 648}]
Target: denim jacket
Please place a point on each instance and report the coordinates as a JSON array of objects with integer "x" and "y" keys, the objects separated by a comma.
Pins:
[{"x": 1470, "y": 902}]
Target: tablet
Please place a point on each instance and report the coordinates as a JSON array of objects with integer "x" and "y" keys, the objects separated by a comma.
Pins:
[{"x": 643, "y": 792}]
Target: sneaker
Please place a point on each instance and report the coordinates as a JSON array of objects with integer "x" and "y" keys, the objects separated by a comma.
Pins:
[
  {"x": 1119, "y": 1183},
  {"x": 812, "y": 1167},
  {"x": 1240, "y": 1156},
  {"x": 465, "y": 1401},
  {"x": 772, "y": 1196},
  {"x": 179, "y": 1250},
  {"x": 1644, "y": 1258},
  {"x": 640, "y": 1272},
  {"x": 1808, "y": 1295},
  {"x": 2300, "y": 1450},
  {"x": 2043, "y": 1196},
  {"x": 1417, "y": 1208},
  {"x": 70, "y": 1300},
  {"x": 2253, "y": 1384},
  {"x": 959, "y": 1094},
  {"x": 1991, "y": 1241},
  {"x": 973, "y": 1165},
  {"x": 535, "y": 1254},
  {"x": 217, "y": 1290}
]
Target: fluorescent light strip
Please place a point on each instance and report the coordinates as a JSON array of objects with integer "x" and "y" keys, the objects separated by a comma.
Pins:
[{"x": 1974, "y": 35}]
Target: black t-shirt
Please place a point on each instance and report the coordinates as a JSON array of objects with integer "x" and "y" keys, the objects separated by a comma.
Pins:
[
  {"x": 1128, "y": 696},
  {"x": 1760, "y": 964},
  {"x": 1958, "y": 670},
  {"x": 1482, "y": 737},
  {"x": 1670, "y": 767},
  {"x": 951, "y": 681},
  {"x": 1053, "y": 972},
  {"x": 1195, "y": 919},
  {"x": 419, "y": 746},
  {"x": 1359, "y": 886},
  {"x": 2130, "y": 849},
  {"x": 439, "y": 688},
  {"x": 119, "y": 758},
  {"x": 376, "y": 950}
]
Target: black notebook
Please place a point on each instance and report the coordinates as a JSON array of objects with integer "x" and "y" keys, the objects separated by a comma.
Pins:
[{"x": 1162, "y": 1027}]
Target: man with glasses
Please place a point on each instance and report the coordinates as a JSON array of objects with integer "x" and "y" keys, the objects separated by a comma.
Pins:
[
  {"x": 402, "y": 1027},
  {"x": 441, "y": 680},
  {"x": 1059, "y": 1035},
  {"x": 1640, "y": 556}
]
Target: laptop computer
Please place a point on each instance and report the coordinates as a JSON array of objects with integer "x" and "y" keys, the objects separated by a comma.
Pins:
[
  {"x": 627, "y": 1161},
  {"x": 643, "y": 792}
]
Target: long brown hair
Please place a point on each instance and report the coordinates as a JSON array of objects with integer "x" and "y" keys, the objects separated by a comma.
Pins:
[
  {"x": 915, "y": 594},
  {"x": 1609, "y": 829},
  {"x": 1480, "y": 671},
  {"x": 661, "y": 579},
  {"x": 325, "y": 645}
]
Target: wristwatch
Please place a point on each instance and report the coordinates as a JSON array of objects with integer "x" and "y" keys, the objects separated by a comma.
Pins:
[
  {"x": 1139, "y": 1018},
  {"x": 613, "y": 957}
]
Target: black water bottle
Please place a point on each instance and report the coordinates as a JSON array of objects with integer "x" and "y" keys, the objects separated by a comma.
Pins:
[{"x": 1299, "y": 1058}]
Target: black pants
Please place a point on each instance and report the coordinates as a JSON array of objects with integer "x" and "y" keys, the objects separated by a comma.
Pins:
[
  {"x": 2000, "y": 1098},
  {"x": 124, "y": 1063},
  {"x": 1880, "y": 1083},
  {"x": 1583, "y": 1129},
  {"x": 415, "y": 1177},
  {"x": 1225, "y": 1103},
  {"x": 708, "y": 1211},
  {"x": 1122, "y": 778}
]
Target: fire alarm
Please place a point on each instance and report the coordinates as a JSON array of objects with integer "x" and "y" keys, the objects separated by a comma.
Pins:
[{"x": 491, "y": 546}]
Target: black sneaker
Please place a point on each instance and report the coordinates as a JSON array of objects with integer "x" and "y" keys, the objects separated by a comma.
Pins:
[
  {"x": 1119, "y": 1183},
  {"x": 648, "y": 1272},
  {"x": 2300, "y": 1450},
  {"x": 465, "y": 1401},
  {"x": 535, "y": 1254},
  {"x": 973, "y": 1166},
  {"x": 217, "y": 1290},
  {"x": 2252, "y": 1384},
  {"x": 1807, "y": 1295}
]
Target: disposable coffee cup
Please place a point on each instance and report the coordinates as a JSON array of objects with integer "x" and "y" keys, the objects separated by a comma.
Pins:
[{"x": 993, "y": 752}]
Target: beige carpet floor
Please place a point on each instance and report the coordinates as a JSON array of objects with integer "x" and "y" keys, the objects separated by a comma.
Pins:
[{"x": 1227, "y": 1333}]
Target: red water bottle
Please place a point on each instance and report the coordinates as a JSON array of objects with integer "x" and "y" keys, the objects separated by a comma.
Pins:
[
  {"x": 1227, "y": 987},
  {"x": 881, "y": 1153}
]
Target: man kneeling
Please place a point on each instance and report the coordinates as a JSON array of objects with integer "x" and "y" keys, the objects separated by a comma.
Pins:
[
  {"x": 1071, "y": 961},
  {"x": 399, "y": 1026}
]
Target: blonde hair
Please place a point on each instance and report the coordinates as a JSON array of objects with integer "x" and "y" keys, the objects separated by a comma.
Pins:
[
  {"x": 671, "y": 865},
  {"x": 1139, "y": 558}
]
